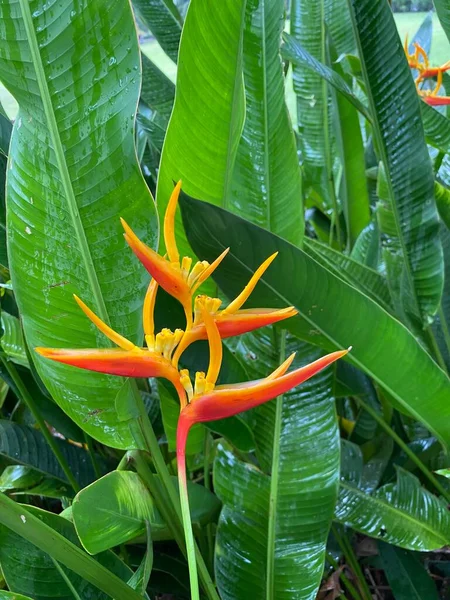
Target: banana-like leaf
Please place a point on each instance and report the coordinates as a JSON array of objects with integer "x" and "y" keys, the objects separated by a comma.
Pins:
[
  {"x": 406, "y": 575},
  {"x": 164, "y": 21},
  {"x": 158, "y": 92},
  {"x": 353, "y": 188},
  {"x": 436, "y": 127},
  {"x": 27, "y": 446},
  {"x": 28, "y": 570},
  {"x": 413, "y": 245},
  {"x": 208, "y": 114},
  {"x": 364, "y": 278},
  {"x": 404, "y": 514},
  {"x": 19, "y": 480},
  {"x": 308, "y": 28},
  {"x": 266, "y": 187},
  {"x": 115, "y": 509},
  {"x": 72, "y": 173},
  {"x": 443, "y": 13},
  {"x": 339, "y": 25},
  {"x": 333, "y": 314},
  {"x": 271, "y": 537},
  {"x": 12, "y": 596}
]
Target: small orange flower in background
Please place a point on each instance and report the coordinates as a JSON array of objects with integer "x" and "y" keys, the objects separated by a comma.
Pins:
[
  {"x": 201, "y": 400},
  {"x": 420, "y": 62}
]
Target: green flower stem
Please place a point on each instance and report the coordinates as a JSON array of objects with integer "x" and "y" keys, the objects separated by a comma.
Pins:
[
  {"x": 26, "y": 397},
  {"x": 92, "y": 455},
  {"x": 345, "y": 580},
  {"x": 151, "y": 444},
  {"x": 207, "y": 483},
  {"x": 187, "y": 524},
  {"x": 415, "y": 459},
  {"x": 353, "y": 563},
  {"x": 18, "y": 519}
]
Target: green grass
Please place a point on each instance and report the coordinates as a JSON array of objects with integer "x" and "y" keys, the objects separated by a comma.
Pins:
[{"x": 407, "y": 23}]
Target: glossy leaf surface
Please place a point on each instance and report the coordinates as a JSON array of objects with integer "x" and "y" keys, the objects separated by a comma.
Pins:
[
  {"x": 406, "y": 575},
  {"x": 30, "y": 571},
  {"x": 271, "y": 538},
  {"x": 116, "y": 508},
  {"x": 394, "y": 104},
  {"x": 18, "y": 479},
  {"x": 113, "y": 510},
  {"x": 12, "y": 339},
  {"x": 74, "y": 174},
  {"x": 27, "y": 446},
  {"x": 266, "y": 186},
  {"x": 208, "y": 114},
  {"x": 164, "y": 21},
  {"x": 330, "y": 310},
  {"x": 404, "y": 514}
]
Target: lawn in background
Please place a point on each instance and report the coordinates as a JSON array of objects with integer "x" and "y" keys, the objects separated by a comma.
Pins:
[{"x": 407, "y": 23}]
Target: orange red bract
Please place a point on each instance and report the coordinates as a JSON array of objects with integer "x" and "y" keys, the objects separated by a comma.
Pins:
[
  {"x": 200, "y": 400},
  {"x": 419, "y": 61}
]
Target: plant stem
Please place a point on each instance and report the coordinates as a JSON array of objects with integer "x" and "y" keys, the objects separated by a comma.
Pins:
[
  {"x": 25, "y": 396},
  {"x": 415, "y": 459},
  {"x": 66, "y": 579},
  {"x": 444, "y": 327},
  {"x": 435, "y": 348},
  {"x": 17, "y": 518},
  {"x": 207, "y": 483},
  {"x": 92, "y": 456},
  {"x": 352, "y": 560},
  {"x": 152, "y": 446},
  {"x": 345, "y": 580},
  {"x": 273, "y": 496},
  {"x": 188, "y": 535}
]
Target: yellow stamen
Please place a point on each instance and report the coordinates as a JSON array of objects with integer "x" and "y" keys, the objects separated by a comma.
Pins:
[
  {"x": 215, "y": 348},
  {"x": 239, "y": 301},
  {"x": 198, "y": 269},
  {"x": 209, "y": 270},
  {"x": 148, "y": 316},
  {"x": 200, "y": 383},
  {"x": 185, "y": 266},
  {"x": 115, "y": 337},
  {"x": 169, "y": 225},
  {"x": 186, "y": 382},
  {"x": 438, "y": 84}
]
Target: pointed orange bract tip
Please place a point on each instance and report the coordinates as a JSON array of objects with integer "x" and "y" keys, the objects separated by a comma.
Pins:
[{"x": 169, "y": 225}]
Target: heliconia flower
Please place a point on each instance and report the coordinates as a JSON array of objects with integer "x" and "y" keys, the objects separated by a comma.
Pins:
[
  {"x": 175, "y": 277},
  {"x": 208, "y": 402},
  {"x": 419, "y": 60},
  {"x": 128, "y": 360},
  {"x": 430, "y": 96},
  {"x": 232, "y": 321}
]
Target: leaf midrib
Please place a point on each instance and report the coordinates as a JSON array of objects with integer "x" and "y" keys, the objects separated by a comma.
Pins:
[
  {"x": 393, "y": 509},
  {"x": 61, "y": 162}
]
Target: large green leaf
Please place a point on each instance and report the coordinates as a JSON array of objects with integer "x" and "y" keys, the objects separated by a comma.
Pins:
[
  {"x": 115, "y": 509},
  {"x": 271, "y": 537},
  {"x": 164, "y": 21},
  {"x": 18, "y": 479},
  {"x": 208, "y": 114},
  {"x": 27, "y": 446},
  {"x": 339, "y": 25},
  {"x": 364, "y": 278},
  {"x": 443, "y": 12},
  {"x": 413, "y": 246},
  {"x": 404, "y": 514},
  {"x": 406, "y": 575},
  {"x": 333, "y": 314},
  {"x": 72, "y": 173},
  {"x": 353, "y": 189},
  {"x": 28, "y": 570},
  {"x": 158, "y": 92},
  {"x": 308, "y": 28},
  {"x": 266, "y": 186}
]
